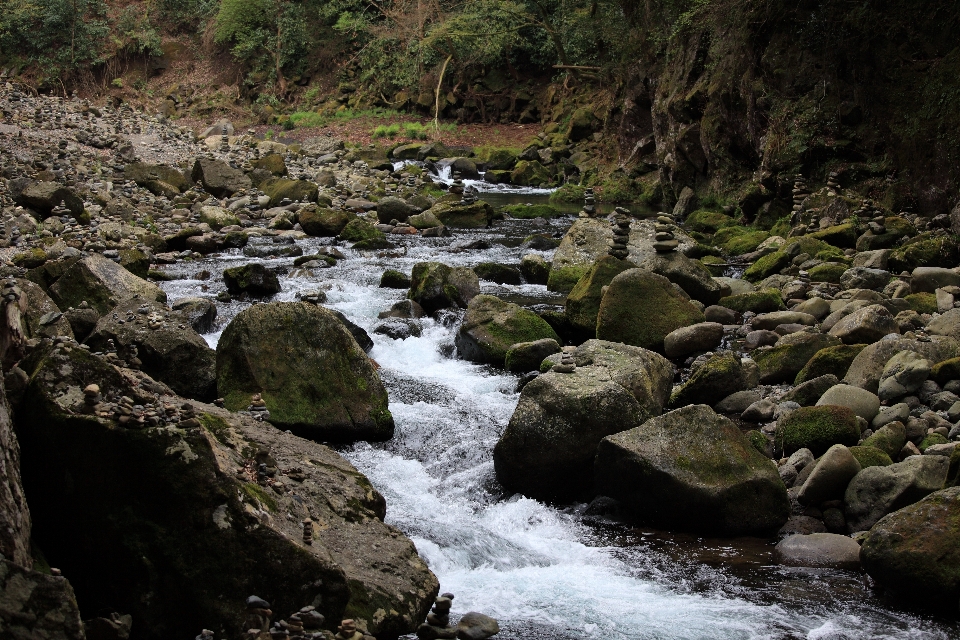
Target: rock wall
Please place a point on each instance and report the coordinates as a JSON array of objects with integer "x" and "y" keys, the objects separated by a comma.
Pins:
[{"x": 14, "y": 513}]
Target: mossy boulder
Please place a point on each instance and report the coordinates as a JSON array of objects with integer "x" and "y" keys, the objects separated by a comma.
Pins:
[
  {"x": 828, "y": 272},
  {"x": 582, "y": 124},
  {"x": 322, "y": 222},
  {"x": 782, "y": 362},
  {"x": 834, "y": 360},
  {"x": 272, "y": 163},
  {"x": 158, "y": 179},
  {"x": 889, "y": 438},
  {"x": 102, "y": 283},
  {"x": 535, "y": 268},
  {"x": 312, "y": 374},
  {"x": 463, "y": 216},
  {"x": 253, "y": 278},
  {"x": 867, "y": 368},
  {"x": 499, "y": 273},
  {"x": 931, "y": 439},
  {"x": 922, "y": 302},
  {"x": 915, "y": 552},
  {"x": 547, "y": 450},
  {"x": 766, "y": 266},
  {"x": 843, "y": 236},
  {"x": 393, "y": 279},
  {"x": 765, "y": 301},
  {"x": 924, "y": 251},
  {"x": 496, "y": 159},
  {"x": 176, "y": 356},
  {"x": 358, "y": 230},
  {"x": 527, "y": 211},
  {"x": 436, "y": 286},
  {"x": 718, "y": 377},
  {"x": 737, "y": 241},
  {"x": 693, "y": 470},
  {"x": 176, "y": 538},
  {"x": 295, "y": 190},
  {"x": 869, "y": 456},
  {"x": 491, "y": 326},
  {"x": 529, "y": 356},
  {"x": 706, "y": 221},
  {"x": 135, "y": 261},
  {"x": 640, "y": 308},
  {"x": 945, "y": 371},
  {"x": 530, "y": 173},
  {"x": 583, "y": 302},
  {"x": 689, "y": 274},
  {"x": 817, "y": 429},
  {"x": 218, "y": 217}
]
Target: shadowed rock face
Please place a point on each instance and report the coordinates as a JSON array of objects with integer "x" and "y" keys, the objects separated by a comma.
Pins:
[
  {"x": 14, "y": 513},
  {"x": 170, "y": 523}
]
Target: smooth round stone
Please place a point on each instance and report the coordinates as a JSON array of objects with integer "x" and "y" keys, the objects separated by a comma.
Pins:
[{"x": 665, "y": 246}]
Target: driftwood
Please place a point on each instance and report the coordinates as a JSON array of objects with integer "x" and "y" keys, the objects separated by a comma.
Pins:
[{"x": 12, "y": 338}]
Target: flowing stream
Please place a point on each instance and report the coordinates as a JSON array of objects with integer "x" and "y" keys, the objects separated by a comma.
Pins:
[{"x": 543, "y": 571}]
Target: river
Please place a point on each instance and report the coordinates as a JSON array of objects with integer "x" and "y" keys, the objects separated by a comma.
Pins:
[{"x": 545, "y": 571}]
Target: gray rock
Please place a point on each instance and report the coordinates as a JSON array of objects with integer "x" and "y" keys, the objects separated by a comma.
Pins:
[
  {"x": 877, "y": 491},
  {"x": 720, "y": 315},
  {"x": 714, "y": 380},
  {"x": 895, "y": 413},
  {"x": 218, "y": 177},
  {"x": 929, "y": 279},
  {"x": 37, "y": 605},
  {"x": 702, "y": 336},
  {"x": 692, "y": 469},
  {"x": 691, "y": 275},
  {"x": 876, "y": 259},
  {"x": 818, "y": 550},
  {"x": 890, "y": 438},
  {"x": 760, "y": 411},
  {"x": 946, "y": 324},
  {"x": 808, "y": 393},
  {"x": 393, "y": 208},
  {"x": 862, "y": 402},
  {"x": 199, "y": 312},
  {"x": 757, "y": 339},
  {"x": 829, "y": 479},
  {"x": 770, "y": 321},
  {"x": 737, "y": 402},
  {"x": 903, "y": 374},
  {"x": 816, "y": 307},
  {"x": 102, "y": 283},
  {"x": 527, "y": 356},
  {"x": 803, "y": 525},
  {"x": 801, "y": 458},
  {"x": 864, "y": 278},
  {"x": 865, "y": 326},
  {"x": 476, "y": 626},
  {"x": 252, "y": 278},
  {"x": 867, "y": 367},
  {"x": 491, "y": 326}
]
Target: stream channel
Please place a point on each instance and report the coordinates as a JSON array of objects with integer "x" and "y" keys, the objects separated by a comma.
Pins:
[{"x": 544, "y": 571}]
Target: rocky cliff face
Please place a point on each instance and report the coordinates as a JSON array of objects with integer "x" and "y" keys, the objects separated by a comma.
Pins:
[
  {"x": 14, "y": 513},
  {"x": 727, "y": 93}
]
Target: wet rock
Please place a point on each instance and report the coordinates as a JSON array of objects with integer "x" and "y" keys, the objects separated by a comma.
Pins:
[
  {"x": 865, "y": 326},
  {"x": 251, "y": 278},
  {"x": 722, "y": 486},
  {"x": 329, "y": 392},
  {"x": 527, "y": 356},
  {"x": 782, "y": 362},
  {"x": 436, "y": 286},
  {"x": 392, "y": 279},
  {"x": 818, "y": 550},
  {"x": 830, "y": 477},
  {"x": 715, "y": 379},
  {"x": 200, "y": 313},
  {"x": 877, "y": 491},
  {"x": 534, "y": 268},
  {"x": 324, "y": 222},
  {"x": 392, "y": 208},
  {"x": 806, "y": 394}
]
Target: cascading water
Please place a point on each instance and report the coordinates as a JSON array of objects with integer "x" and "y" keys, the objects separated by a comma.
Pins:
[{"x": 543, "y": 571}]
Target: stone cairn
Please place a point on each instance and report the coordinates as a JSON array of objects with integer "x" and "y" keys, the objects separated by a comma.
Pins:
[
  {"x": 258, "y": 408},
  {"x": 665, "y": 240},
  {"x": 308, "y": 532},
  {"x": 800, "y": 193},
  {"x": 469, "y": 196},
  {"x": 567, "y": 363},
  {"x": 589, "y": 204},
  {"x": 832, "y": 182},
  {"x": 621, "y": 234},
  {"x": 348, "y": 631},
  {"x": 457, "y": 186},
  {"x": 438, "y": 620}
]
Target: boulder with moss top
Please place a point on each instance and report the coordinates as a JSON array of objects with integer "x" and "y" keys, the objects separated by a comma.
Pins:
[
  {"x": 817, "y": 429},
  {"x": 491, "y": 326},
  {"x": 583, "y": 302},
  {"x": 436, "y": 286},
  {"x": 783, "y": 361}
]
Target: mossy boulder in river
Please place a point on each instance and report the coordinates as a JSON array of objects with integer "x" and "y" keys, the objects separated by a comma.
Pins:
[
  {"x": 715, "y": 379},
  {"x": 693, "y": 470},
  {"x": 915, "y": 552},
  {"x": 162, "y": 525},
  {"x": 834, "y": 360},
  {"x": 548, "y": 448},
  {"x": 312, "y": 374},
  {"x": 640, "y": 308},
  {"x": 765, "y": 301},
  {"x": 491, "y": 326},
  {"x": 436, "y": 286},
  {"x": 463, "y": 216},
  {"x": 817, "y": 429},
  {"x": 253, "y": 278},
  {"x": 102, "y": 283},
  {"x": 324, "y": 222},
  {"x": 583, "y": 302}
]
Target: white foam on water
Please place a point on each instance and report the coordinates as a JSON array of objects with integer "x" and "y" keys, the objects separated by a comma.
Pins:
[{"x": 444, "y": 175}]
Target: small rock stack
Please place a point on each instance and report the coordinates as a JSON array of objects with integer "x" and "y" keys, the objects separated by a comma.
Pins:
[
  {"x": 308, "y": 532},
  {"x": 800, "y": 193},
  {"x": 258, "y": 408},
  {"x": 832, "y": 182},
  {"x": 469, "y": 196},
  {"x": 567, "y": 363},
  {"x": 91, "y": 397},
  {"x": 589, "y": 204},
  {"x": 665, "y": 241},
  {"x": 438, "y": 620},
  {"x": 348, "y": 631},
  {"x": 457, "y": 186},
  {"x": 621, "y": 234}
]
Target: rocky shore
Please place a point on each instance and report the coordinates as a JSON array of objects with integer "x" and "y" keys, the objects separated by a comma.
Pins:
[{"x": 814, "y": 398}]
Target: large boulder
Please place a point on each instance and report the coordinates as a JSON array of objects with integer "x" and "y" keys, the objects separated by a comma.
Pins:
[
  {"x": 466, "y": 216},
  {"x": 929, "y": 279},
  {"x": 102, "y": 283},
  {"x": 393, "y": 208},
  {"x": 436, "y": 286},
  {"x": 946, "y": 324},
  {"x": 278, "y": 189},
  {"x": 877, "y": 491},
  {"x": 783, "y": 361},
  {"x": 915, "y": 552},
  {"x": 867, "y": 368},
  {"x": 218, "y": 177},
  {"x": 689, "y": 274},
  {"x": 491, "y": 326},
  {"x": 583, "y": 302},
  {"x": 720, "y": 376},
  {"x": 42, "y": 317},
  {"x": 860, "y": 401},
  {"x": 865, "y": 326},
  {"x": 817, "y": 429},
  {"x": 170, "y": 350},
  {"x": 641, "y": 308},
  {"x": 253, "y": 278},
  {"x": 15, "y": 521},
  {"x": 548, "y": 447},
  {"x": 313, "y": 376},
  {"x": 42, "y": 197},
  {"x": 694, "y": 470},
  {"x": 170, "y": 524},
  {"x": 159, "y": 179},
  {"x": 37, "y": 605},
  {"x": 830, "y": 477},
  {"x": 684, "y": 341},
  {"x": 218, "y": 217},
  {"x": 326, "y": 223}
]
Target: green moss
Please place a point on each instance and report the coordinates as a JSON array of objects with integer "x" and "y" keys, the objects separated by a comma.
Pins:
[
  {"x": 841, "y": 235},
  {"x": 31, "y": 258},
  {"x": 922, "y": 302},
  {"x": 739, "y": 240},
  {"x": 216, "y": 426},
  {"x": 563, "y": 279},
  {"x": 925, "y": 251},
  {"x": 817, "y": 429},
  {"x": 767, "y": 266},
  {"x": 393, "y": 279},
  {"x": 571, "y": 193},
  {"x": 944, "y": 372},
  {"x": 279, "y": 188},
  {"x": 524, "y": 211},
  {"x": 583, "y": 302},
  {"x": 869, "y": 456},
  {"x": 930, "y": 440},
  {"x": 708, "y": 221},
  {"x": 758, "y": 440},
  {"x": 255, "y": 492},
  {"x": 831, "y": 360},
  {"x": 714, "y": 265},
  {"x": 827, "y": 272},
  {"x": 781, "y": 227},
  {"x": 358, "y": 230},
  {"x": 764, "y": 301}
]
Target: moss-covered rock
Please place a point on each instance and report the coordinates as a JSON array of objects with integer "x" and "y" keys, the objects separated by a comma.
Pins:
[
  {"x": 324, "y": 222},
  {"x": 463, "y": 216},
  {"x": 102, "y": 283},
  {"x": 708, "y": 221},
  {"x": 491, "y": 326},
  {"x": 924, "y": 250},
  {"x": 833, "y": 360},
  {"x": 393, "y": 279},
  {"x": 530, "y": 173},
  {"x": 218, "y": 217},
  {"x": 945, "y": 371},
  {"x": 436, "y": 286},
  {"x": 358, "y": 230},
  {"x": 889, "y": 438},
  {"x": 583, "y": 302},
  {"x": 496, "y": 159},
  {"x": 843, "y": 236},
  {"x": 157, "y": 178},
  {"x": 252, "y": 278},
  {"x": 915, "y": 552},
  {"x": 922, "y": 302},
  {"x": 758, "y": 440},
  {"x": 739, "y": 240},
  {"x": 312, "y": 374},
  {"x": 162, "y": 526},
  {"x": 828, "y": 272},
  {"x": 767, "y": 266},
  {"x": 782, "y": 362},
  {"x": 718, "y": 377},
  {"x": 931, "y": 439},
  {"x": 765, "y": 301},
  {"x": 691, "y": 469},
  {"x": 817, "y": 429},
  {"x": 272, "y": 163},
  {"x": 869, "y": 456},
  {"x": 527, "y": 211},
  {"x": 640, "y": 308},
  {"x": 499, "y": 273},
  {"x": 529, "y": 356}
]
